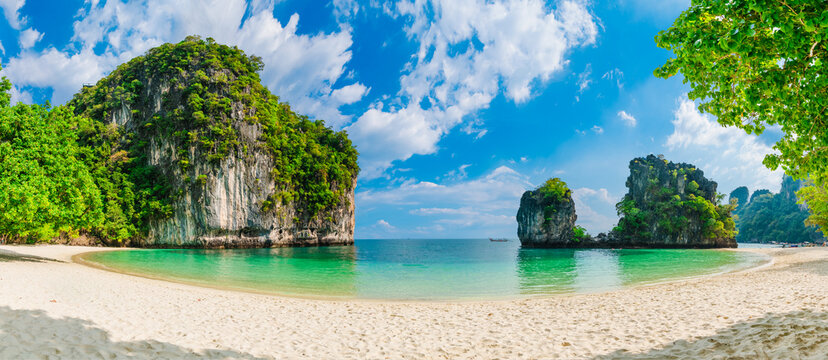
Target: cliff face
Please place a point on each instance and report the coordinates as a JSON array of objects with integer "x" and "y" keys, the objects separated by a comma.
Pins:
[
  {"x": 225, "y": 208},
  {"x": 202, "y": 155},
  {"x": 547, "y": 219},
  {"x": 672, "y": 205}
]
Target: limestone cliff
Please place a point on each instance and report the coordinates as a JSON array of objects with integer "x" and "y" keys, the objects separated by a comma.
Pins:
[
  {"x": 668, "y": 206},
  {"x": 672, "y": 205},
  {"x": 546, "y": 217},
  {"x": 202, "y": 155}
]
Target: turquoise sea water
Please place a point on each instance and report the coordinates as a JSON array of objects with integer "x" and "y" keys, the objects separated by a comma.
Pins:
[{"x": 434, "y": 269}]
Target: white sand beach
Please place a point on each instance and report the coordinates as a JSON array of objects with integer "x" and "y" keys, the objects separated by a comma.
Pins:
[{"x": 66, "y": 310}]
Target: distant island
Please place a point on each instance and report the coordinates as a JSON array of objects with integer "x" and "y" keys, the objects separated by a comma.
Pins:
[
  {"x": 765, "y": 217},
  {"x": 668, "y": 205},
  {"x": 180, "y": 147}
]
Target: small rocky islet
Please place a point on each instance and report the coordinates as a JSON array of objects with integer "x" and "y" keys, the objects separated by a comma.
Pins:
[{"x": 668, "y": 205}]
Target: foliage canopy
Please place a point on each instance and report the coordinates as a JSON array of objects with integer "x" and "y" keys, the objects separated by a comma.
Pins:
[
  {"x": 554, "y": 191},
  {"x": 754, "y": 64},
  {"x": 45, "y": 189}
]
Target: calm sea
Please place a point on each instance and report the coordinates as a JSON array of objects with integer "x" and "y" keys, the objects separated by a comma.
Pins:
[{"x": 431, "y": 269}]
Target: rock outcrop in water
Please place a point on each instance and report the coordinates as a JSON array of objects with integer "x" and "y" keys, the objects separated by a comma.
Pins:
[
  {"x": 672, "y": 205},
  {"x": 546, "y": 217},
  {"x": 668, "y": 205},
  {"x": 202, "y": 155}
]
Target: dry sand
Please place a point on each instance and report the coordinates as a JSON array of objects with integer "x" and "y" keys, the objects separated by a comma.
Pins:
[{"x": 65, "y": 310}]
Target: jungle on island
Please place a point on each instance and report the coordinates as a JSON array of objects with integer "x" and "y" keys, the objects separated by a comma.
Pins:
[{"x": 73, "y": 169}]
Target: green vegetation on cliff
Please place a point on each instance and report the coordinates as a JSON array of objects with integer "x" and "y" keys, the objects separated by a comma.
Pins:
[
  {"x": 671, "y": 201},
  {"x": 554, "y": 191},
  {"x": 196, "y": 95},
  {"x": 774, "y": 217}
]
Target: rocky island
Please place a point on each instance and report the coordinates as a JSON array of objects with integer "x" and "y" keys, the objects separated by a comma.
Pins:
[
  {"x": 668, "y": 205},
  {"x": 184, "y": 147},
  {"x": 546, "y": 217},
  {"x": 765, "y": 217}
]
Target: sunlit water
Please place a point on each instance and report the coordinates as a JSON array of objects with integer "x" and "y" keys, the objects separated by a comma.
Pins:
[{"x": 433, "y": 269}]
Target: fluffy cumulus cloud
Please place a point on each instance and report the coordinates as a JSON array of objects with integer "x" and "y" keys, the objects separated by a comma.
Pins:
[
  {"x": 731, "y": 156},
  {"x": 459, "y": 207},
  {"x": 11, "y": 10},
  {"x": 628, "y": 119},
  {"x": 29, "y": 38},
  {"x": 470, "y": 51},
  {"x": 301, "y": 68}
]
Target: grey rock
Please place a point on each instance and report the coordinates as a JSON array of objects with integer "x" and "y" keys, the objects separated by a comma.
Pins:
[{"x": 535, "y": 230}]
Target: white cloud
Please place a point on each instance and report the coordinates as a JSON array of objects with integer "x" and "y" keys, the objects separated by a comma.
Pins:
[
  {"x": 2, "y": 49},
  {"x": 464, "y": 217},
  {"x": 301, "y": 69},
  {"x": 597, "y": 129},
  {"x": 60, "y": 71},
  {"x": 470, "y": 51},
  {"x": 457, "y": 174},
  {"x": 615, "y": 74},
  {"x": 11, "y": 9},
  {"x": 584, "y": 80},
  {"x": 29, "y": 38},
  {"x": 396, "y": 135},
  {"x": 349, "y": 94},
  {"x": 628, "y": 119},
  {"x": 490, "y": 201},
  {"x": 591, "y": 206},
  {"x": 384, "y": 225},
  {"x": 20, "y": 96},
  {"x": 345, "y": 8},
  {"x": 732, "y": 157}
]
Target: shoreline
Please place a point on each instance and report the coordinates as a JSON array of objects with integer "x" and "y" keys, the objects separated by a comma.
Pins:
[
  {"x": 78, "y": 311},
  {"x": 78, "y": 259}
]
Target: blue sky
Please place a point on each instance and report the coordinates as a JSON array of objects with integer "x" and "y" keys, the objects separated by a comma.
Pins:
[{"x": 456, "y": 106}]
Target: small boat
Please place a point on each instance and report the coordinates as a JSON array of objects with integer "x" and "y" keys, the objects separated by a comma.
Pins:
[{"x": 498, "y": 240}]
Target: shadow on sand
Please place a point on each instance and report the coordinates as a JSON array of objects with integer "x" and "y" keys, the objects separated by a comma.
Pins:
[
  {"x": 8, "y": 256},
  {"x": 29, "y": 334},
  {"x": 794, "y": 335}
]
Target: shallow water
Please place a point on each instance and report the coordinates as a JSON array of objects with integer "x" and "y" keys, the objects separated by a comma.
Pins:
[{"x": 433, "y": 269}]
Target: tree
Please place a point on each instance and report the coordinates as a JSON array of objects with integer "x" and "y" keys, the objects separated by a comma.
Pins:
[
  {"x": 754, "y": 64},
  {"x": 44, "y": 189},
  {"x": 816, "y": 197}
]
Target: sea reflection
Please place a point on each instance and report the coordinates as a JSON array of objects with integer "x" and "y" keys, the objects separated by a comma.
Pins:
[{"x": 544, "y": 271}]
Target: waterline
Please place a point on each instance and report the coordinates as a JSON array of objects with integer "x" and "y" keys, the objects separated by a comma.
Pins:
[{"x": 439, "y": 269}]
